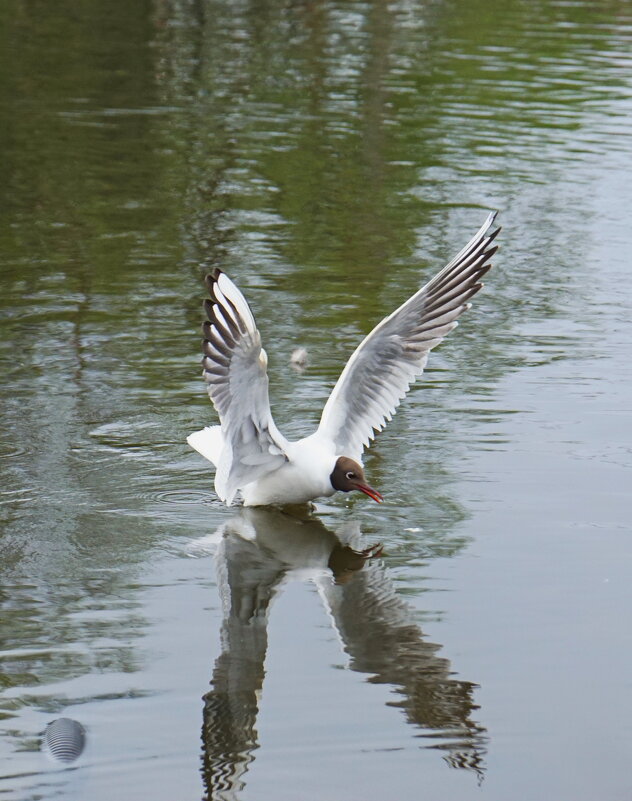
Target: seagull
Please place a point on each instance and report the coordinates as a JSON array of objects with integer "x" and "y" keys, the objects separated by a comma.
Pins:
[{"x": 250, "y": 454}]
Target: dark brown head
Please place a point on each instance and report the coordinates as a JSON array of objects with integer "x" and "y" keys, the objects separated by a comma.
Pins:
[{"x": 348, "y": 475}]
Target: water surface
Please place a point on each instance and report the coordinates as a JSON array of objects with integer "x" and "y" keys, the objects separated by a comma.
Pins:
[{"x": 330, "y": 157}]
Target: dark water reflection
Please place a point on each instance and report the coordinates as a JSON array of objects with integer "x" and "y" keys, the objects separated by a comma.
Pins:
[{"x": 259, "y": 551}]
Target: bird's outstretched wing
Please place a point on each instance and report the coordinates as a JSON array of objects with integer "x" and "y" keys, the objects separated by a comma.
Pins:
[
  {"x": 235, "y": 373},
  {"x": 394, "y": 354}
]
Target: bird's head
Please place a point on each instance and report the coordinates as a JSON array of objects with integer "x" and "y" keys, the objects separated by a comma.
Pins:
[{"x": 348, "y": 475}]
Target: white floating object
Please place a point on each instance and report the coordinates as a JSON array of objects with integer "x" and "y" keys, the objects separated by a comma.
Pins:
[{"x": 298, "y": 359}]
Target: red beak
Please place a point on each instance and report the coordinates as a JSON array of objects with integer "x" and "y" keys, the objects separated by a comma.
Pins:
[{"x": 372, "y": 493}]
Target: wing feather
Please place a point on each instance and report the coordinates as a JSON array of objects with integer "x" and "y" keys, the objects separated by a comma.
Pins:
[
  {"x": 380, "y": 371},
  {"x": 234, "y": 368}
]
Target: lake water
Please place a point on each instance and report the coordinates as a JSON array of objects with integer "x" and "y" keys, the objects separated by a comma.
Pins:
[{"x": 330, "y": 156}]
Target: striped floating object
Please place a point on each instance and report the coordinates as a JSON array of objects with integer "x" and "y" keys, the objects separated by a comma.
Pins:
[{"x": 64, "y": 739}]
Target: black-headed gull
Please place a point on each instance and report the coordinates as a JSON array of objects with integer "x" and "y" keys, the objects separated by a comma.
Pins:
[{"x": 251, "y": 456}]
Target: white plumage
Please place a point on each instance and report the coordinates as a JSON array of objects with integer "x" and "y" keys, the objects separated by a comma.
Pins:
[{"x": 249, "y": 452}]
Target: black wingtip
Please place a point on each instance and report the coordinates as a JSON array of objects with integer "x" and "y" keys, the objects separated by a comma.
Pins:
[
  {"x": 206, "y": 329},
  {"x": 491, "y": 236},
  {"x": 208, "y": 309},
  {"x": 494, "y": 220},
  {"x": 211, "y": 278}
]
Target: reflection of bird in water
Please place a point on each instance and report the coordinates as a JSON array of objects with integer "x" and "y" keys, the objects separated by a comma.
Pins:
[
  {"x": 258, "y": 552},
  {"x": 251, "y": 455}
]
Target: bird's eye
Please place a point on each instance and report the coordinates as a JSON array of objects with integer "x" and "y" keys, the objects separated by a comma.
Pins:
[{"x": 350, "y": 475}]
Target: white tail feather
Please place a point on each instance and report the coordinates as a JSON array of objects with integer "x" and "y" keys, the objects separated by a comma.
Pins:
[{"x": 208, "y": 442}]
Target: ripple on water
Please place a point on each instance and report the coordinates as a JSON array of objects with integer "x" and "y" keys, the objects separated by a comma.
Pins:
[
  {"x": 22, "y": 495},
  {"x": 11, "y": 451},
  {"x": 184, "y": 506},
  {"x": 183, "y": 497}
]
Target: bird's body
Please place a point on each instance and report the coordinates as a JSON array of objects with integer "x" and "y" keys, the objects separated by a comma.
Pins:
[
  {"x": 305, "y": 475},
  {"x": 252, "y": 457}
]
